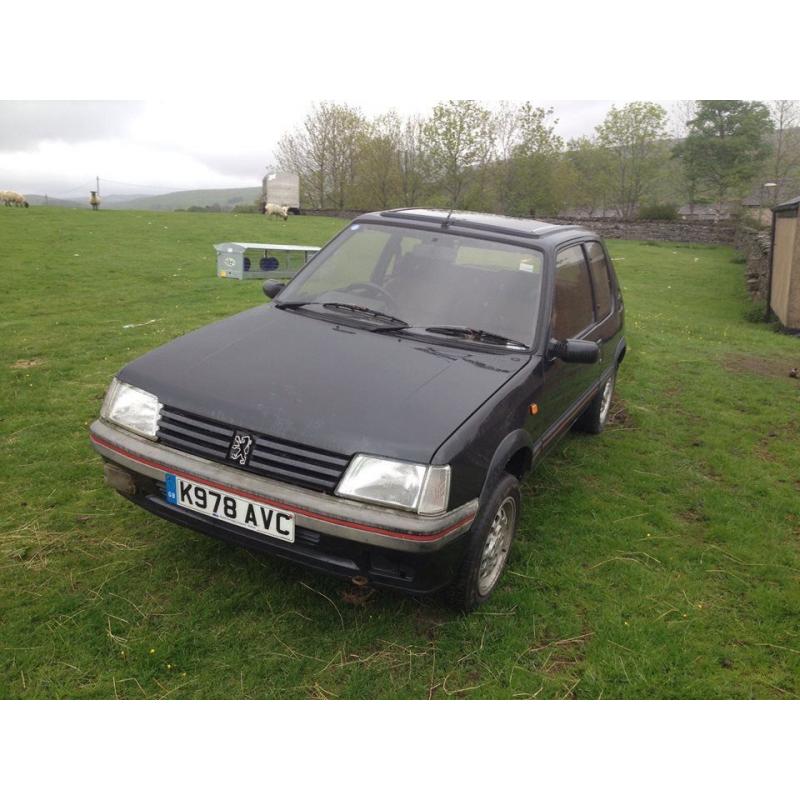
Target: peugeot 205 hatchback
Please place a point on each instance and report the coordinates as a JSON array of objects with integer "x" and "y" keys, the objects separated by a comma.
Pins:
[{"x": 375, "y": 420}]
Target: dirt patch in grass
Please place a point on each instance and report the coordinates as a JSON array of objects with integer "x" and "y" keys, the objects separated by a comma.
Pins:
[
  {"x": 764, "y": 449},
  {"x": 27, "y": 363},
  {"x": 553, "y": 658},
  {"x": 753, "y": 365},
  {"x": 618, "y": 415},
  {"x": 429, "y": 619},
  {"x": 694, "y": 516}
]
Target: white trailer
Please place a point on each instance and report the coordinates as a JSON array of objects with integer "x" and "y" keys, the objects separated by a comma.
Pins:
[{"x": 283, "y": 189}]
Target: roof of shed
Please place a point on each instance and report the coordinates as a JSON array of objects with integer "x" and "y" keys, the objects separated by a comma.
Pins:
[{"x": 789, "y": 205}]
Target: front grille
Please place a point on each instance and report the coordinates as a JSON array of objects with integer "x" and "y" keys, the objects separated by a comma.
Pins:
[{"x": 289, "y": 462}]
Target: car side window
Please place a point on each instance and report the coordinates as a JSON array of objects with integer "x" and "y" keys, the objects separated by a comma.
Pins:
[
  {"x": 601, "y": 279},
  {"x": 573, "y": 306}
]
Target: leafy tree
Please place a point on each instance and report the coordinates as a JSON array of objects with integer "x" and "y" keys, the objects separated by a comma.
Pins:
[
  {"x": 528, "y": 152},
  {"x": 379, "y": 182},
  {"x": 324, "y": 152},
  {"x": 586, "y": 172},
  {"x": 634, "y": 136},
  {"x": 680, "y": 186},
  {"x": 459, "y": 139},
  {"x": 726, "y": 147},
  {"x": 414, "y": 168},
  {"x": 784, "y": 163}
]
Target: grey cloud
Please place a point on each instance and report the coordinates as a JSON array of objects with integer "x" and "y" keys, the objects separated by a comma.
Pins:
[
  {"x": 252, "y": 164},
  {"x": 25, "y": 123}
]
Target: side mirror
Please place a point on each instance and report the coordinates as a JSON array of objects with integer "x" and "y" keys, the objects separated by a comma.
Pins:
[
  {"x": 576, "y": 351},
  {"x": 272, "y": 288}
]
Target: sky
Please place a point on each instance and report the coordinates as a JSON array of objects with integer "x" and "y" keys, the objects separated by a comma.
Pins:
[
  {"x": 200, "y": 99},
  {"x": 147, "y": 147}
]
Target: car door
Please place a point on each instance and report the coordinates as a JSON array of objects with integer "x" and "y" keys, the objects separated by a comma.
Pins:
[
  {"x": 607, "y": 301},
  {"x": 573, "y": 316}
]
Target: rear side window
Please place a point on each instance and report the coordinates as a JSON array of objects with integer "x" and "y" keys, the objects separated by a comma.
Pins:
[
  {"x": 601, "y": 279},
  {"x": 573, "y": 310}
]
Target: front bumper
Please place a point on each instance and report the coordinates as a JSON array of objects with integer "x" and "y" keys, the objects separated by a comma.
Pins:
[{"x": 339, "y": 536}]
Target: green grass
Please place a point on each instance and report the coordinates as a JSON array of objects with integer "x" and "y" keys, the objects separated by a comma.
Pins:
[{"x": 661, "y": 559}]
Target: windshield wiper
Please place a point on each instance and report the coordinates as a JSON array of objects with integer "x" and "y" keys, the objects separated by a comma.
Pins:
[
  {"x": 369, "y": 312},
  {"x": 463, "y": 332}
]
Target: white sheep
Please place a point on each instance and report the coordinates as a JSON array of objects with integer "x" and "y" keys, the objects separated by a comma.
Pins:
[
  {"x": 274, "y": 210},
  {"x": 10, "y": 198}
]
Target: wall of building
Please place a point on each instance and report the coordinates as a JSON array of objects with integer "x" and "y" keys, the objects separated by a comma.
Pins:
[{"x": 785, "y": 284}]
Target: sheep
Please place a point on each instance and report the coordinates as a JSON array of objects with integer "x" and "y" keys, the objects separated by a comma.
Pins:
[
  {"x": 274, "y": 210},
  {"x": 10, "y": 198},
  {"x": 94, "y": 201}
]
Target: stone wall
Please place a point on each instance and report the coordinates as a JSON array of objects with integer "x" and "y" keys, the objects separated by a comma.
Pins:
[
  {"x": 686, "y": 231},
  {"x": 330, "y": 212},
  {"x": 692, "y": 232},
  {"x": 754, "y": 245}
]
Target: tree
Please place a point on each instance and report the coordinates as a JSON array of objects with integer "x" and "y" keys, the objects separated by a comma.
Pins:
[
  {"x": 379, "y": 175},
  {"x": 533, "y": 162},
  {"x": 684, "y": 187},
  {"x": 413, "y": 162},
  {"x": 324, "y": 151},
  {"x": 786, "y": 153},
  {"x": 586, "y": 174},
  {"x": 726, "y": 147},
  {"x": 459, "y": 139},
  {"x": 681, "y": 113},
  {"x": 506, "y": 139},
  {"x": 634, "y": 136},
  {"x": 348, "y": 131},
  {"x": 527, "y": 151}
]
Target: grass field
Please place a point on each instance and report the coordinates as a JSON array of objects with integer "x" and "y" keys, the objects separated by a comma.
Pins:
[{"x": 661, "y": 559}]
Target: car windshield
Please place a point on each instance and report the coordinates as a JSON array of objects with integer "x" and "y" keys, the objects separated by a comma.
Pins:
[{"x": 425, "y": 279}]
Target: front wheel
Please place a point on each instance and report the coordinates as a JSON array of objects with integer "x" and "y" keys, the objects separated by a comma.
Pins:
[{"x": 490, "y": 540}]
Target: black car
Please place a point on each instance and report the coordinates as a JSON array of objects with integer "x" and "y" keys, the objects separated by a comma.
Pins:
[{"x": 375, "y": 420}]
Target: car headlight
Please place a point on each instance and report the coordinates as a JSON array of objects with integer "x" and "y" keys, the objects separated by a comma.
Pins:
[
  {"x": 132, "y": 408},
  {"x": 414, "y": 487}
]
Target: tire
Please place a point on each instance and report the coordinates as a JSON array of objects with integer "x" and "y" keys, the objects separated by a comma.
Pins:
[
  {"x": 594, "y": 418},
  {"x": 496, "y": 521}
]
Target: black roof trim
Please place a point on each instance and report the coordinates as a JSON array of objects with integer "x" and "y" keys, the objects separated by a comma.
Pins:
[
  {"x": 459, "y": 222},
  {"x": 789, "y": 205}
]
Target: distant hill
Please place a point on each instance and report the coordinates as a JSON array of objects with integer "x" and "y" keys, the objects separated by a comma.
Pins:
[
  {"x": 39, "y": 200},
  {"x": 225, "y": 198},
  {"x": 116, "y": 199}
]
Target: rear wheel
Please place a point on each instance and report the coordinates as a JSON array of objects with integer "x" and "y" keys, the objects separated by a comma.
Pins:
[
  {"x": 594, "y": 418},
  {"x": 490, "y": 540}
]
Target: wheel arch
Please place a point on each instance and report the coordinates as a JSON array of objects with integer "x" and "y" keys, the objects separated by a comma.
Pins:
[
  {"x": 622, "y": 349},
  {"x": 514, "y": 455}
]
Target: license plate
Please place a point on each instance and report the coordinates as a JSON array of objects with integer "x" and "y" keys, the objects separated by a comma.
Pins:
[{"x": 230, "y": 508}]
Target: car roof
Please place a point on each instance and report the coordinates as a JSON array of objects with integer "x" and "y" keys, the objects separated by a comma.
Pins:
[{"x": 544, "y": 233}]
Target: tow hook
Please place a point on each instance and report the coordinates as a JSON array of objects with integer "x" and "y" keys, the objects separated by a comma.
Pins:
[{"x": 360, "y": 581}]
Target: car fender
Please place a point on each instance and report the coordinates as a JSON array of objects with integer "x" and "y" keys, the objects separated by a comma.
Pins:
[
  {"x": 620, "y": 352},
  {"x": 516, "y": 440}
]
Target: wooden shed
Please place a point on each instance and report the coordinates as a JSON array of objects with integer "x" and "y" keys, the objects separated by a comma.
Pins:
[{"x": 784, "y": 271}]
